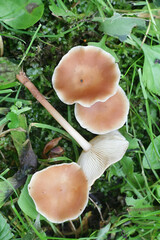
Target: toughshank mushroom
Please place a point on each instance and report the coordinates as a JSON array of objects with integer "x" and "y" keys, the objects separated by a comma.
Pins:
[
  {"x": 106, "y": 150},
  {"x": 85, "y": 75},
  {"x": 104, "y": 117},
  {"x": 60, "y": 192}
]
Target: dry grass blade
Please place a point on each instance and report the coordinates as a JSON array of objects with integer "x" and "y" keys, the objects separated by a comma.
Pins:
[{"x": 1, "y": 46}]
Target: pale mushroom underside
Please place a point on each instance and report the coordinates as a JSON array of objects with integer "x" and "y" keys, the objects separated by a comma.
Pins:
[{"x": 106, "y": 150}]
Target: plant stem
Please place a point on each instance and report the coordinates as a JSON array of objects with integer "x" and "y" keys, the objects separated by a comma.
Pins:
[
  {"x": 1, "y": 47},
  {"x": 55, "y": 114}
]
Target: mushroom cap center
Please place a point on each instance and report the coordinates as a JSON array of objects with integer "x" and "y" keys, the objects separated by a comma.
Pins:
[{"x": 86, "y": 75}]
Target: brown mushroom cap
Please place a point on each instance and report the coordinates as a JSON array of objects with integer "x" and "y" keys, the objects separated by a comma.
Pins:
[
  {"x": 60, "y": 192},
  {"x": 104, "y": 117},
  {"x": 86, "y": 75}
]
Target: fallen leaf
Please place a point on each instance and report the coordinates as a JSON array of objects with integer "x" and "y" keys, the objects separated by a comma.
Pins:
[
  {"x": 56, "y": 152},
  {"x": 50, "y": 145}
]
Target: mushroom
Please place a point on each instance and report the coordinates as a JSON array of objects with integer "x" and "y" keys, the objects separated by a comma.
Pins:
[
  {"x": 106, "y": 150},
  {"x": 85, "y": 75},
  {"x": 95, "y": 151},
  {"x": 104, "y": 117},
  {"x": 60, "y": 192}
]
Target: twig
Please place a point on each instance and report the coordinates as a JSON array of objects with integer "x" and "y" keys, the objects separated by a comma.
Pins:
[
  {"x": 98, "y": 208},
  {"x": 2, "y": 134},
  {"x": 1, "y": 46}
]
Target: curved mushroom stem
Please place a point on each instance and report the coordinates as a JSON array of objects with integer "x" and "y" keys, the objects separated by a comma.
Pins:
[{"x": 55, "y": 114}]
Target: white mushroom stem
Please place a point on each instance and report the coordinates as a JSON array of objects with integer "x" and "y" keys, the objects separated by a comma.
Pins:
[{"x": 55, "y": 114}]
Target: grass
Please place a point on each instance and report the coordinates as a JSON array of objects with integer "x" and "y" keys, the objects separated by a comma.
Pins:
[{"x": 125, "y": 199}]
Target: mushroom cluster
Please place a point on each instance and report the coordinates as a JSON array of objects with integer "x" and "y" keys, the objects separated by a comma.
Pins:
[{"x": 88, "y": 77}]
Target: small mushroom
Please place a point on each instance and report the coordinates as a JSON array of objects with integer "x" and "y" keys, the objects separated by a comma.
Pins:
[
  {"x": 60, "y": 192},
  {"x": 85, "y": 75},
  {"x": 104, "y": 117},
  {"x": 106, "y": 150}
]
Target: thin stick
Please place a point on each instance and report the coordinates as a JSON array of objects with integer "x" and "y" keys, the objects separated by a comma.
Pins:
[
  {"x": 98, "y": 208},
  {"x": 1, "y": 46},
  {"x": 55, "y": 114}
]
